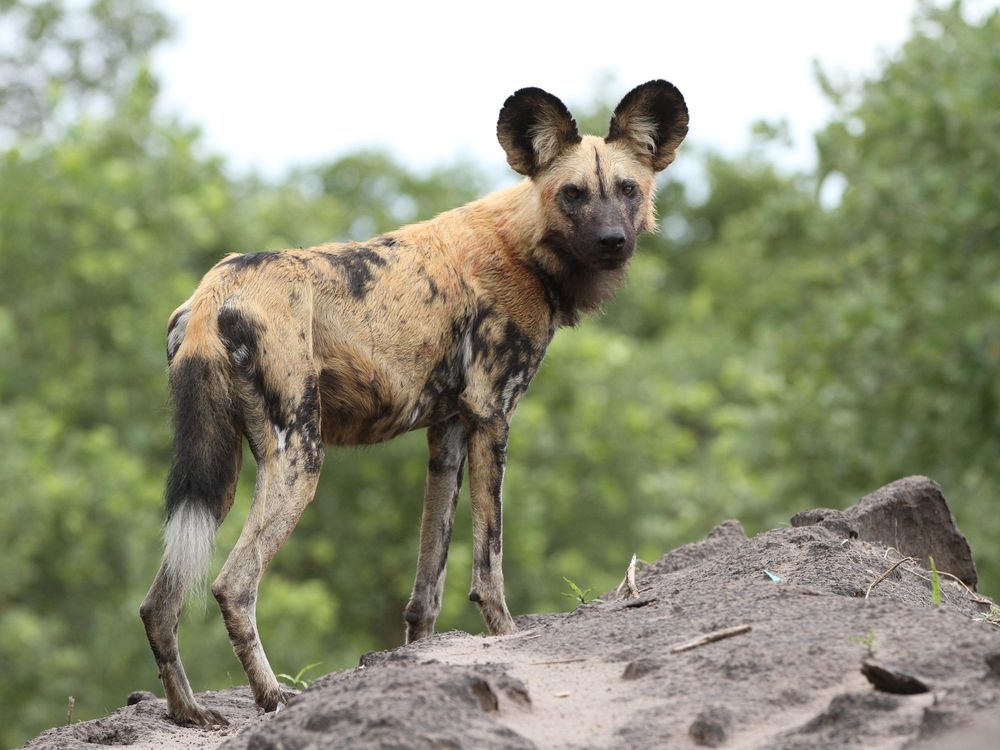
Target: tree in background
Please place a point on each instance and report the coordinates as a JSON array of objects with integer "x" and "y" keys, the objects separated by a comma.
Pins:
[{"x": 769, "y": 354}]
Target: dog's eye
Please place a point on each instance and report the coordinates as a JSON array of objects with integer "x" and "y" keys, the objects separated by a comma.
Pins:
[
  {"x": 572, "y": 192},
  {"x": 628, "y": 188}
]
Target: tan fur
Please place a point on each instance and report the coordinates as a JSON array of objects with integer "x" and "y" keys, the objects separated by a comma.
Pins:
[{"x": 438, "y": 325}]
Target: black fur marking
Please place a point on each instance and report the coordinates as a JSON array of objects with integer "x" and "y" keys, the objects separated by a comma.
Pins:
[
  {"x": 494, "y": 532},
  {"x": 600, "y": 178},
  {"x": 249, "y": 260},
  {"x": 554, "y": 295},
  {"x": 205, "y": 460},
  {"x": 483, "y": 557},
  {"x": 632, "y": 202},
  {"x": 387, "y": 241},
  {"x": 441, "y": 465},
  {"x": 447, "y": 379},
  {"x": 305, "y": 422},
  {"x": 359, "y": 265},
  {"x": 163, "y": 658},
  {"x": 510, "y": 358},
  {"x": 475, "y": 597},
  {"x": 174, "y": 345},
  {"x": 448, "y": 523},
  {"x": 240, "y": 335},
  {"x": 572, "y": 208},
  {"x": 494, "y": 535}
]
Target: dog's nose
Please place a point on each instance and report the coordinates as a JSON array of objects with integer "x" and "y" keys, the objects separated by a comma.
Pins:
[{"x": 612, "y": 239}]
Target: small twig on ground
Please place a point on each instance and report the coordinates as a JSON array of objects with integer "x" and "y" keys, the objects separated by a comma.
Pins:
[
  {"x": 70, "y": 704},
  {"x": 628, "y": 582},
  {"x": 519, "y": 634},
  {"x": 887, "y": 573},
  {"x": 972, "y": 594},
  {"x": 716, "y": 635},
  {"x": 977, "y": 598},
  {"x": 557, "y": 661}
]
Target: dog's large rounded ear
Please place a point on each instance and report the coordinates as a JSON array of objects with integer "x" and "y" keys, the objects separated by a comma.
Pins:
[
  {"x": 653, "y": 120},
  {"x": 534, "y": 127}
]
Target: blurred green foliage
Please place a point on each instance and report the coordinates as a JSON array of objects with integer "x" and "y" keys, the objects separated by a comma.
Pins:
[{"x": 786, "y": 341}]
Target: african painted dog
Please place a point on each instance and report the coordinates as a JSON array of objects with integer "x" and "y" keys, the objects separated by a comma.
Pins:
[{"x": 439, "y": 325}]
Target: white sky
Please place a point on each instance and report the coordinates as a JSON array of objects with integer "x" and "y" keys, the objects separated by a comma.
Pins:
[{"x": 277, "y": 84}]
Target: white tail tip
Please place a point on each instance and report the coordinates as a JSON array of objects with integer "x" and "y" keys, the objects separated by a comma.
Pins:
[{"x": 187, "y": 541}]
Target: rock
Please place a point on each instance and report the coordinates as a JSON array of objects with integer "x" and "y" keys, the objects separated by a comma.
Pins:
[
  {"x": 993, "y": 662},
  {"x": 829, "y": 518},
  {"x": 137, "y": 696},
  {"x": 892, "y": 679},
  {"x": 640, "y": 668},
  {"x": 711, "y": 727},
  {"x": 911, "y": 515}
]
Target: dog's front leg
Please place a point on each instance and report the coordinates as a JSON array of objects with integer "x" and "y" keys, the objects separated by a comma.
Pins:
[
  {"x": 487, "y": 457},
  {"x": 446, "y": 442}
]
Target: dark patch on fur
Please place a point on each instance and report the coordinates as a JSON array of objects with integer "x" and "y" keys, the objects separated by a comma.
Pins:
[
  {"x": 250, "y": 260},
  {"x": 306, "y": 423},
  {"x": 442, "y": 464},
  {"x": 359, "y": 265},
  {"x": 172, "y": 350},
  {"x": 163, "y": 657},
  {"x": 551, "y": 289},
  {"x": 483, "y": 556},
  {"x": 448, "y": 524},
  {"x": 508, "y": 355},
  {"x": 600, "y": 178},
  {"x": 573, "y": 209},
  {"x": 205, "y": 461},
  {"x": 387, "y": 241},
  {"x": 240, "y": 334},
  {"x": 242, "y": 634},
  {"x": 447, "y": 379}
]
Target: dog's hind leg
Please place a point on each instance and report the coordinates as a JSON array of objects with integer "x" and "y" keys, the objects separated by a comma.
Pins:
[
  {"x": 446, "y": 442},
  {"x": 278, "y": 395},
  {"x": 282, "y": 493},
  {"x": 160, "y": 612}
]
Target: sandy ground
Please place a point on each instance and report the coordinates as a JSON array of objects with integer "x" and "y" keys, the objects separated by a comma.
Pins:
[{"x": 609, "y": 675}]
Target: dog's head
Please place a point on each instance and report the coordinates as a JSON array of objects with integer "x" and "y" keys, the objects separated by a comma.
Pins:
[{"x": 596, "y": 193}]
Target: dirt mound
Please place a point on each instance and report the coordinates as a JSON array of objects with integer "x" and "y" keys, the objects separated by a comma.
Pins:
[{"x": 801, "y": 658}]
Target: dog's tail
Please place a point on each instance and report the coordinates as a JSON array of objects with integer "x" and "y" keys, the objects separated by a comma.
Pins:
[{"x": 207, "y": 443}]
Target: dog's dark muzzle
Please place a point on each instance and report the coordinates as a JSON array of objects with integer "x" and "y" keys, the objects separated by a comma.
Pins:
[{"x": 614, "y": 248}]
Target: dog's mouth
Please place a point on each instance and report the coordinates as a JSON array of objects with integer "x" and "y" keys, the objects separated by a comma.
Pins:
[{"x": 612, "y": 260}]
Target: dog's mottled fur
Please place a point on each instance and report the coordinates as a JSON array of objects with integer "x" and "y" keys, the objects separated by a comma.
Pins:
[{"x": 438, "y": 325}]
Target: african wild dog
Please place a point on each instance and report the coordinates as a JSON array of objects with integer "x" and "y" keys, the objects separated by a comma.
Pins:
[{"x": 440, "y": 325}]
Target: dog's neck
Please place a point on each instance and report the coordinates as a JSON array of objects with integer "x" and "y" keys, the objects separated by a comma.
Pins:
[{"x": 513, "y": 222}]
